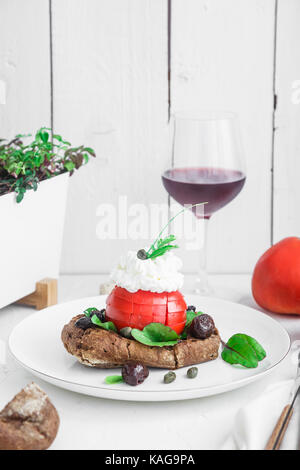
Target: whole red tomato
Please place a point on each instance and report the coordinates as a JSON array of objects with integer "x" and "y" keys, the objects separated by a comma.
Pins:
[
  {"x": 140, "y": 308},
  {"x": 276, "y": 277}
]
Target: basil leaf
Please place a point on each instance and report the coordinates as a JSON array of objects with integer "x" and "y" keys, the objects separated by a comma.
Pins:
[
  {"x": 114, "y": 379},
  {"x": 89, "y": 311},
  {"x": 190, "y": 315},
  {"x": 156, "y": 334},
  {"x": 243, "y": 349},
  {"x": 108, "y": 325}
]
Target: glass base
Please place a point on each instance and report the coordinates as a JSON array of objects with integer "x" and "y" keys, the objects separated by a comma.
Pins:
[{"x": 202, "y": 285}]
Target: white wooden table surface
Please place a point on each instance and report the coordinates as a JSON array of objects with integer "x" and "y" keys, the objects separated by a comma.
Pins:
[{"x": 94, "y": 423}]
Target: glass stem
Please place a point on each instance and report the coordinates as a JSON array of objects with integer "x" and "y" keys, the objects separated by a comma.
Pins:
[
  {"x": 202, "y": 283},
  {"x": 203, "y": 251}
]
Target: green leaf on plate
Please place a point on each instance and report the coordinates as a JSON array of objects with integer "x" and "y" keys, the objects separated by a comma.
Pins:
[
  {"x": 259, "y": 350},
  {"x": 107, "y": 325},
  {"x": 156, "y": 334},
  {"x": 114, "y": 379},
  {"x": 243, "y": 349}
]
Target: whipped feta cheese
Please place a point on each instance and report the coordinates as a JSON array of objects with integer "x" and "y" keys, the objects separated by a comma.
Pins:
[{"x": 158, "y": 275}]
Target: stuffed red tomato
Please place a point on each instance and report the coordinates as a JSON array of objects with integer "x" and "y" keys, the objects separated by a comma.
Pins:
[{"x": 140, "y": 308}]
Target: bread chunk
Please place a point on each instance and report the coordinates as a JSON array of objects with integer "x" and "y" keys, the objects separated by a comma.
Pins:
[{"x": 29, "y": 421}]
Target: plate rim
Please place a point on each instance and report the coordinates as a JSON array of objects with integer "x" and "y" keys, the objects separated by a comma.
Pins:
[{"x": 237, "y": 383}]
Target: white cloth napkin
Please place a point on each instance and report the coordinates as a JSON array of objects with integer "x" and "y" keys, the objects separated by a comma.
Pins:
[
  {"x": 2, "y": 353},
  {"x": 255, "y": 422}
]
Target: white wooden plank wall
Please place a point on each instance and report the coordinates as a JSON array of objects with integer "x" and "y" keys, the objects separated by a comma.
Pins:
[
  {"x": 222, "y": 58},
  {"x": 110, "y": 91},
  {"x": 24, "y": 66},
  {"x": 287, "y": 122}
]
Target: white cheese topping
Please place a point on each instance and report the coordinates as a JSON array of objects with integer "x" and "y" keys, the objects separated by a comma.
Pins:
[{"x": 158, "y": 275}]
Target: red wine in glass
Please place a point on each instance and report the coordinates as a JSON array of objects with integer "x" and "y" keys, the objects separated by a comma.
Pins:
[
  {"x": 208, "y": 168},
  {"x": 215, "y": 186}
]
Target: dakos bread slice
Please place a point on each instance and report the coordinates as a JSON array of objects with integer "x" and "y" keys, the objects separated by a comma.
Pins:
[{"x": 96, "y": 347}]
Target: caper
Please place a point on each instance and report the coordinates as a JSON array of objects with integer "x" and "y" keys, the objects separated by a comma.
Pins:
[
  {"x": 126, "y": 332},
  {"x": 192, "y": 372},
  {"x": 142, "y": 254},
  {"x": 169, "y": 377}
]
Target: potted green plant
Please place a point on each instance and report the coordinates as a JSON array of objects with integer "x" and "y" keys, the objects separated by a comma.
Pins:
[{"x": 33, "y": 190}]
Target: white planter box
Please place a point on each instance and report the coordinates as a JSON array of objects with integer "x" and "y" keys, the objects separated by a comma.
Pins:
[{"x": 31, "y": 237}]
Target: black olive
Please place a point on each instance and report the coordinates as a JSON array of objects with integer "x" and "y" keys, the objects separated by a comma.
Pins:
[
  {"x": 191, "y": 308},
  {"x": 100, "y": 314},
  {"x": 202, "y": 326},
  {"x": 142, "y": 254},
  {"x": 134, "y": 373},
  {"x": 84, "y": 323}
]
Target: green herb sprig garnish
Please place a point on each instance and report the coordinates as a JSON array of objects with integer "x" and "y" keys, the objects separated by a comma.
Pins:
[{"x": 161, "y": 245}]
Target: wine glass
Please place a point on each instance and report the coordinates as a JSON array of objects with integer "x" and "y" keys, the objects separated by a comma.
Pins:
[{"x": 208, "y": 167}]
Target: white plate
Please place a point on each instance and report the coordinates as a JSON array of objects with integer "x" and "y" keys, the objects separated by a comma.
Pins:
[{"x": 35, "y": 343}]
